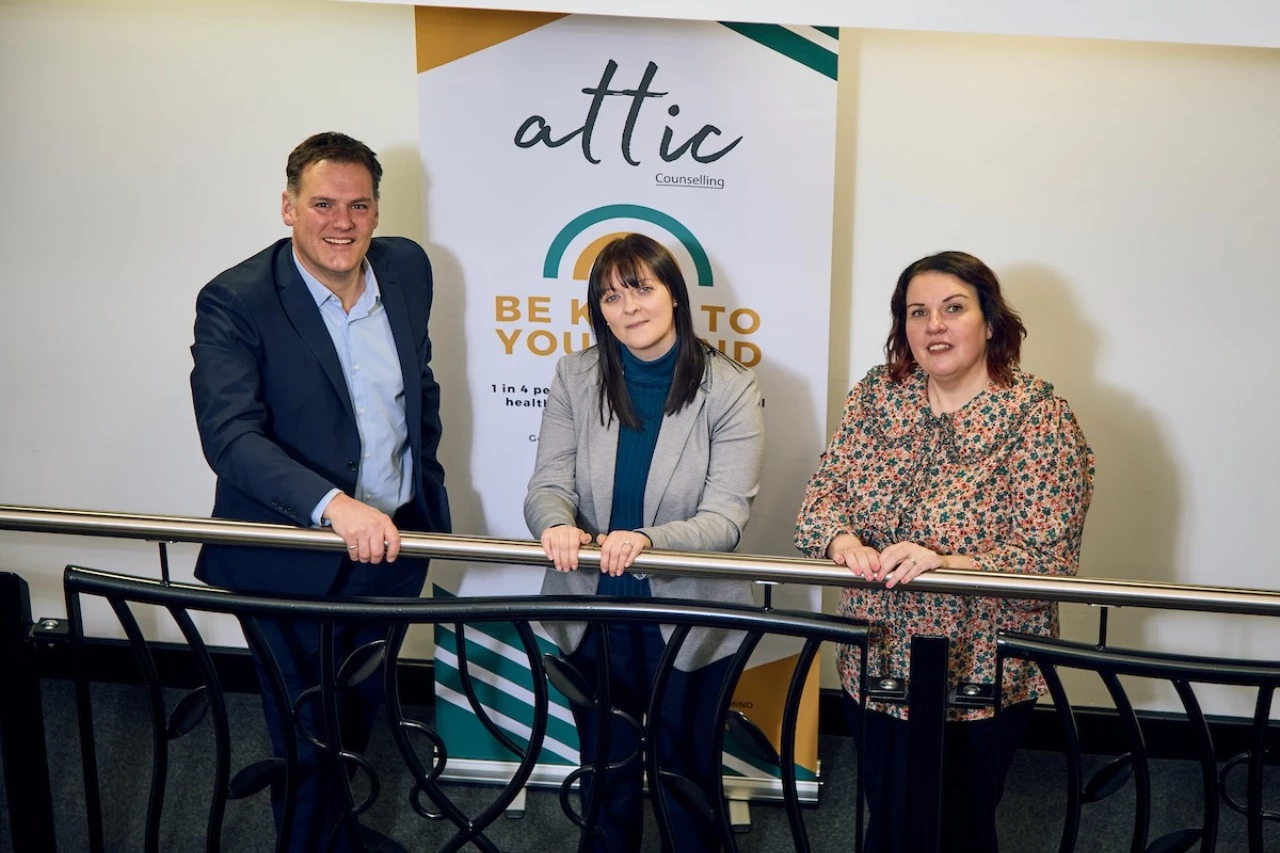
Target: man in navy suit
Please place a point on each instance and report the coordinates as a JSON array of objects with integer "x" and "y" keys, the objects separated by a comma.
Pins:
[{"x": 317, "y": 406}]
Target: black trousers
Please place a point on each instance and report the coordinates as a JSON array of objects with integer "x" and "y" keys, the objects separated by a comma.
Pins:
[
  {"x": 977, "y": 758},
  {"x": 685, "y": 742},
  {"x": 295, "y": 646}
]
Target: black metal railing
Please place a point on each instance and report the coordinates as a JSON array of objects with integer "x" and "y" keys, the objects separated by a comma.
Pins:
[
  {"x": 171, "y": 722},
  {"x": 1183, "y": 672}
]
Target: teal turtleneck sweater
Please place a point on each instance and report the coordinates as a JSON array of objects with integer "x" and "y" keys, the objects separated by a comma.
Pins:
[{"x": 648, "y": 383}]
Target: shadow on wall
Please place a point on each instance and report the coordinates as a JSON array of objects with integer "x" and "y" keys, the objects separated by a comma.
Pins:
[
  {"x": 1134, "y": 521},
  {"x": 448, "y": 360}
]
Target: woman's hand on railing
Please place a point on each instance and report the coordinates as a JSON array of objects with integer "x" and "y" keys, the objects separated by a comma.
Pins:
[
  {"x": 619, "y": 549},
  {"x": 561, "y": 544},
  {"x": 848, "y": 551}
]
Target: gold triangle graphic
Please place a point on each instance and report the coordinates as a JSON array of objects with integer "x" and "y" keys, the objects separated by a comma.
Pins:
[
  {"x": 445, "y": 34},
  {"x": 761, "y": 694}
]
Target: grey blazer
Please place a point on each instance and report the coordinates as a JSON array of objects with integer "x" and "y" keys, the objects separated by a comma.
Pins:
[{"x": 705, "y": 473}]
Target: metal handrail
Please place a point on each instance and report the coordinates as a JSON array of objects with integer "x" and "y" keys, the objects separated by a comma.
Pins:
[{"x": 753, "y": 567}]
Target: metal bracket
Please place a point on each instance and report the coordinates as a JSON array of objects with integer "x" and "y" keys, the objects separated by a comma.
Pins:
[
  {"x": 740, "y": 815},
  {"x": 49, "y": 630},
  {"x": 973, "y": 695},
  {"x": 515, "y": 811},
  {"x": 889, "y": 689}
]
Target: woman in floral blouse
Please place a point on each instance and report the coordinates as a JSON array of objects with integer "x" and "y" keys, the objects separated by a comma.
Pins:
[{"x": 948, "y": 457}]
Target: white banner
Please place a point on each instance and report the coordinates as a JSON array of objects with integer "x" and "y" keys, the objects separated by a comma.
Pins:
[{"x": 543, "y": 136}]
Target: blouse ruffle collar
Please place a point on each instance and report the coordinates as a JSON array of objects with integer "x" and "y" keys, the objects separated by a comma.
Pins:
[{"x": 985, "y": 425}]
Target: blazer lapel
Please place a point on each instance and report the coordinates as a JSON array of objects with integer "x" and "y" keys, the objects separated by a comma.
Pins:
[
  {"x": 602, "y": 449},
  {"x": 300, "y": 307},
  {"x": 397, "y": 309},
  {"x": 672, "y": 439}
]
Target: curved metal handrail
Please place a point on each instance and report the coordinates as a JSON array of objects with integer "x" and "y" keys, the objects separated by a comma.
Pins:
[{"x": 758, "y": 568}]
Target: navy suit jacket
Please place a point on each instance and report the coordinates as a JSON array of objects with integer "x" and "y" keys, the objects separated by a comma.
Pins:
[{"x": 275, "y": 417}]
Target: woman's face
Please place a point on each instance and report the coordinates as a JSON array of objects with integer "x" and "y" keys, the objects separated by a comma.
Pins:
[
  {"x": 945, "y": 328},
  {"x": 642, "y": 318}
]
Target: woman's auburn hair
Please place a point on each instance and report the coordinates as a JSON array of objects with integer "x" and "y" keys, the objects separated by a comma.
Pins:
[
  {"x": 624, "y": 262},
  {"x": 1004, "y": 347}
]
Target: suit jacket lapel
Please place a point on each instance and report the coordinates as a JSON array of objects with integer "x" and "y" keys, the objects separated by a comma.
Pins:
[
  {"x": 672, "y": 439},
  {"x": 393, "y": 301},
  {"x": 300, "y": 307}
]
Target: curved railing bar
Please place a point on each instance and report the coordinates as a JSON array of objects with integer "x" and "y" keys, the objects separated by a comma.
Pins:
[
  {"x": 400, "y": 725},
  {"x": 1208, "y": 764},
  {"x": 469, "y": 690},
  {"x": 473, "y": 831},
  {"x": 84, "y": 720},
  {"x": 1072, "y": 756},
  {"x": 1139, "y": 760},
  {"x": 790, "y": 722},
  {"x": 155, "y": 701},
  {"x": 1121, "y": 593},
  {"x": 1262, "y": 714},
  {"x": 221, "y": 726},
  {"x": 256, "y": 640},
  {"x": 658, "y": 787}
]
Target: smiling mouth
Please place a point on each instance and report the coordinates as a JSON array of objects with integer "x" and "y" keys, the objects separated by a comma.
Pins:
[
  {"x": 939, "y": 347},
  {"x": 339, "y": 241}
]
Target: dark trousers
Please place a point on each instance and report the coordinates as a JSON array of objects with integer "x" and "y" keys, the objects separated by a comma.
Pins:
[
  {"x": 295, "y": 645},
  {"x": 685, "y": 741},
  {"x": 977, "y": 758}
]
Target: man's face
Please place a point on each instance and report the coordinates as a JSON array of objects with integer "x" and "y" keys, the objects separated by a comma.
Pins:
[{"x": 332, "y": 216}]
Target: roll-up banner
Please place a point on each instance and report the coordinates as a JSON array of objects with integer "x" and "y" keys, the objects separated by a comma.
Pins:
[{"x": 543, "y": 137}]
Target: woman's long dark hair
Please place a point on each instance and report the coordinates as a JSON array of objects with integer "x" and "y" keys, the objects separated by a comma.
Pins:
[{"x": 623, "y": 263}]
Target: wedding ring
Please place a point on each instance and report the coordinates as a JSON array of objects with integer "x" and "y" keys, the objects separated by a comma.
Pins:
[{"x": 627, "y": 544}]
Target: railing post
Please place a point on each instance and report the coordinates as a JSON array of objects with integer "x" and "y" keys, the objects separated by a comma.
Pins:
[
  {"x": 927, "y": 704},
  {"x": 26, "y": 761}
]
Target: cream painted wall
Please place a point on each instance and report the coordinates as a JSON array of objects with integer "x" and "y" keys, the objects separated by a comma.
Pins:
[
  {"x": 1123, "y": 191},
  {"x": 143, "y": 146}
]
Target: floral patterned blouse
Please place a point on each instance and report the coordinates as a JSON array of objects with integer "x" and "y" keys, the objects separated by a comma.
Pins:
[{"x": 1005, "y": 481}]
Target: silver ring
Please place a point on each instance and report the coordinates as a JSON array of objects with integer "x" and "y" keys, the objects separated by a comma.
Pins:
[
  {"x": 352, "y": 547},
  {"x": 627, "y": 544}
]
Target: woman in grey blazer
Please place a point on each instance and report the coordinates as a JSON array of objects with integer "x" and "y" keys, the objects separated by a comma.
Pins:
[{"x": 650, "y": 439}]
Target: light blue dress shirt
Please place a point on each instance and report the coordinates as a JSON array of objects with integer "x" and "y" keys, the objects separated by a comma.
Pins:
[{"x": 367, "y": 353}]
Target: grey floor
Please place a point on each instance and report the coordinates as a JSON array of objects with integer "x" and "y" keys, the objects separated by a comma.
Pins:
[{"x": 1031, "y": 816}]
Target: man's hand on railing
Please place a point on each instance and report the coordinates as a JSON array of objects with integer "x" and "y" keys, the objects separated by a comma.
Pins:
[{"x": 370, "y": 534}]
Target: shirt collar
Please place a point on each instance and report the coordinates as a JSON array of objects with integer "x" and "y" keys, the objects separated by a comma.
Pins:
[{"x": 322, "y": 294}]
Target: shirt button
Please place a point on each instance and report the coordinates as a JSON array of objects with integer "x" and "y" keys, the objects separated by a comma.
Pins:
[
  {"x": 361, "y": 411},
  {"x": 368, "y": 455},
  {"x": 355, "y": 367}
]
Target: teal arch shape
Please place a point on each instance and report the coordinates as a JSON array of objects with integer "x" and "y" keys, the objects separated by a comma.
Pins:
[{"x": 555, "y": 252}]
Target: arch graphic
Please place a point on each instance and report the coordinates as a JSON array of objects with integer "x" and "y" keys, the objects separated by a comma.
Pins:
[{"x": 555, "y": 252}]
